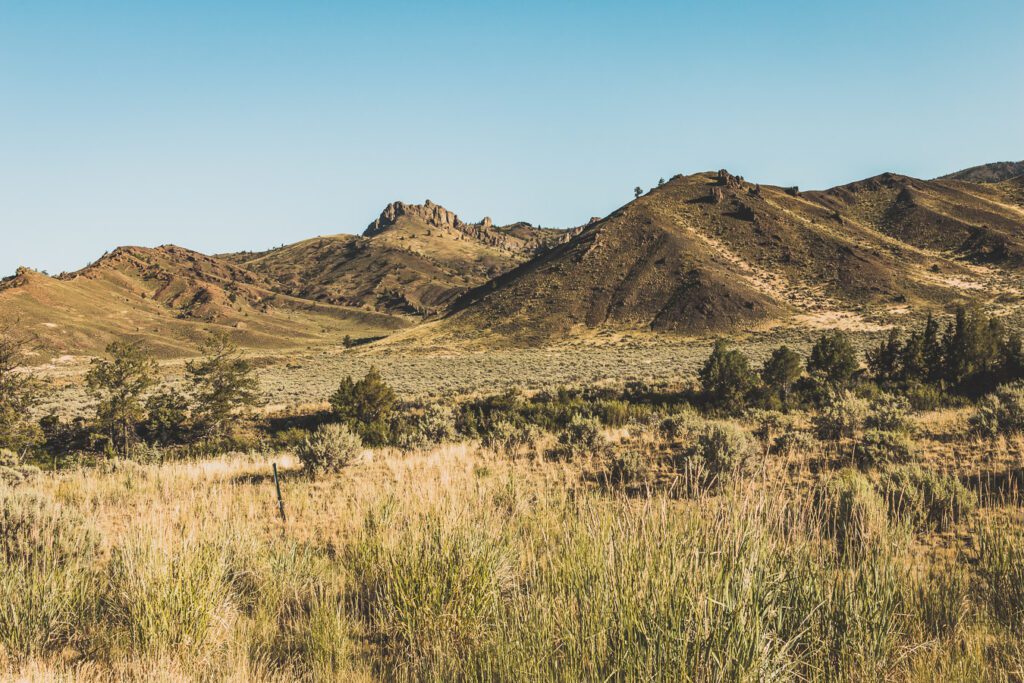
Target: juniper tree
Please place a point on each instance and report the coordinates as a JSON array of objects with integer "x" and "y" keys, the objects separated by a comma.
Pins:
[
  {"x": 223, "y": 383},
  {"x": 780, "y": 372},
  {"x": 726, "y": 378},
  {"x": 118, "y": 384}
]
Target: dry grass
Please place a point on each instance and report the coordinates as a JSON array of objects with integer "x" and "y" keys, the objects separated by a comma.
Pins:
[{"x": 458, "y": 563}]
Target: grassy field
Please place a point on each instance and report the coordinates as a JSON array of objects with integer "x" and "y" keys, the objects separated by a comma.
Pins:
[
  {"x": 457, "y": 562},
  {"x": 307, "y": 376}
]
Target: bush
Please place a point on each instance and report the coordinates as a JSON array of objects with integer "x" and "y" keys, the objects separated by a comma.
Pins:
[
  {"x": 509, "y": 437},
  {"x": 725, "y": 448},
  {"x": 795, "y": 441},
  {"x": 879, "y": 447},
  {"x": 852, "y": 512},
  {"x": 366, "y": 407},
  {"x": 627, "y": 467},
  {"x": 329, "y": 449},
  {"x": 925, "y": 396},
  {"x": 842, "y": 417},
  {"x": 890, "y": 413},
  {"x": 1001, "y": 412},
  {"x": 582, "y": 437},
  {"x": 436, "y": 425},
  {"x": 926, "y": 499},
  {"x": 13, "y": 475},
  {"x": 680, "y": 426}
]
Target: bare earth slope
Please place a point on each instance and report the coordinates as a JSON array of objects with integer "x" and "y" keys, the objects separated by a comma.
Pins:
[
  {"x": 711, "y": 252},
  {"x": 414, "y": 259},
  {"x": 169, "y": 297}
]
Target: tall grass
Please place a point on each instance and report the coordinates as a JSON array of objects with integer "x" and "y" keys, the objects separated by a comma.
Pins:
[{"x": 457, "y": 565}]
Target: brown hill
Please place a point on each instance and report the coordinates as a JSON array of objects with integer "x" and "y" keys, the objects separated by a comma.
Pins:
[
  {"x": 711, "y": 252},
  {"x": 978, "y": 222},
  {"x": 413, "y": 259},
  {"x": 168, "y": 297},
  {"x": 988, "y": 173}
]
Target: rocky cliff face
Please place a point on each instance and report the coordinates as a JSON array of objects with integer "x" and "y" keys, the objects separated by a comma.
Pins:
[{"x": 428, "y": 212}]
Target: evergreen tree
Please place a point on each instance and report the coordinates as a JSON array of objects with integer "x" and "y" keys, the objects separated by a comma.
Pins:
[
  {"x": 780, "y": 372},
  {"x": 118, "y": 384},
  {"x": 833, "y": 361},
  {"x": 932, "y": 350},
  {"x": 884, "y": 360},
  {"x": 365, "y": 406},
  {"x": 223, "y": 382},
  {"x": 726, "y": 378},
  {"x": 912, "y": 363}
]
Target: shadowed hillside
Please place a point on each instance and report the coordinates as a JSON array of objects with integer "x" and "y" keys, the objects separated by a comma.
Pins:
[
  {"x": 711, "y": 252},
  {"x": 977, "y": 222}
]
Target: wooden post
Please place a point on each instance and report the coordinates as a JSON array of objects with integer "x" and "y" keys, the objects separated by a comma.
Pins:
[{"x": 280, "y": 501}]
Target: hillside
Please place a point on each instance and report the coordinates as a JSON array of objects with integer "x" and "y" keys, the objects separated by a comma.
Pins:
[
  {"x": 711, "y": 252},
  {"x": 168, "y": 297},
  {"x": 413, "y": 259},
  {"x": 988, "y": 173},
  {"x": 981, "y": 223}
]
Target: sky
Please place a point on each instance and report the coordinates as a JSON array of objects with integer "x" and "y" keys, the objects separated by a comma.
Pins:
[{"x": 224, "y": 126}]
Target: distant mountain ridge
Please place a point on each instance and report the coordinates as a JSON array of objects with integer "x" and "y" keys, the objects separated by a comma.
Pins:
[{"x": 707, "y": 253}]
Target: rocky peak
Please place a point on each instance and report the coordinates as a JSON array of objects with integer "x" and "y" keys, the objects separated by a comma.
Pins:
[{"x": 428, "y": 212}]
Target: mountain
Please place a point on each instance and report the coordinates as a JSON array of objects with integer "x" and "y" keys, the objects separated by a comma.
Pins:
[
  {"x": 414, "y": 259},
  {"x": 711, "y": 252},
  {"x": 988, "y": 173},
  {"x": 702, "y": 254},
  {"x": 169, "y": 297}
]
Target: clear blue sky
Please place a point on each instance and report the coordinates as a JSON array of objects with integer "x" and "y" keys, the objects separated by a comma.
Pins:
[{"x": 223, "y": 126}]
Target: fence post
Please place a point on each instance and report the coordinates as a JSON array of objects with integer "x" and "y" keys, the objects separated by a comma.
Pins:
[{"x": 280, "y": 501}]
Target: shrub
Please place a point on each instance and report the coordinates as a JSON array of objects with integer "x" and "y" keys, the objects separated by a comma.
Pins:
[
  {"x": 436, "y": 425},
  {"x": 365, "y": 406},
  {"x": 627, "y": 467},
  {"x": 329, "y": 449},
  {"x": 581, "y": 437},
  {"x": 924, "y": 396},
  {"x": 510, "y": 437},
  {"x": 924, "y": 498},
  {"x": 880, "y": 447},
  {"x": 724, "y": 447},
  {"x": 770, "y": 424},
  {"x": 890, "y": 413},
  {"x": 842, "y": 417},
  {"x": 13, "y": 475},
  {"x": 1001, "y": 412},
  {"x": 852, "y": 512},
  {"x": 680, "y": 426},
  {"x": 795, "y": 441}
]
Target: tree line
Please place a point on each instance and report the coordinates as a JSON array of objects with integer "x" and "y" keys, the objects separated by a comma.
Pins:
[{"x": 973, "y": 355}]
